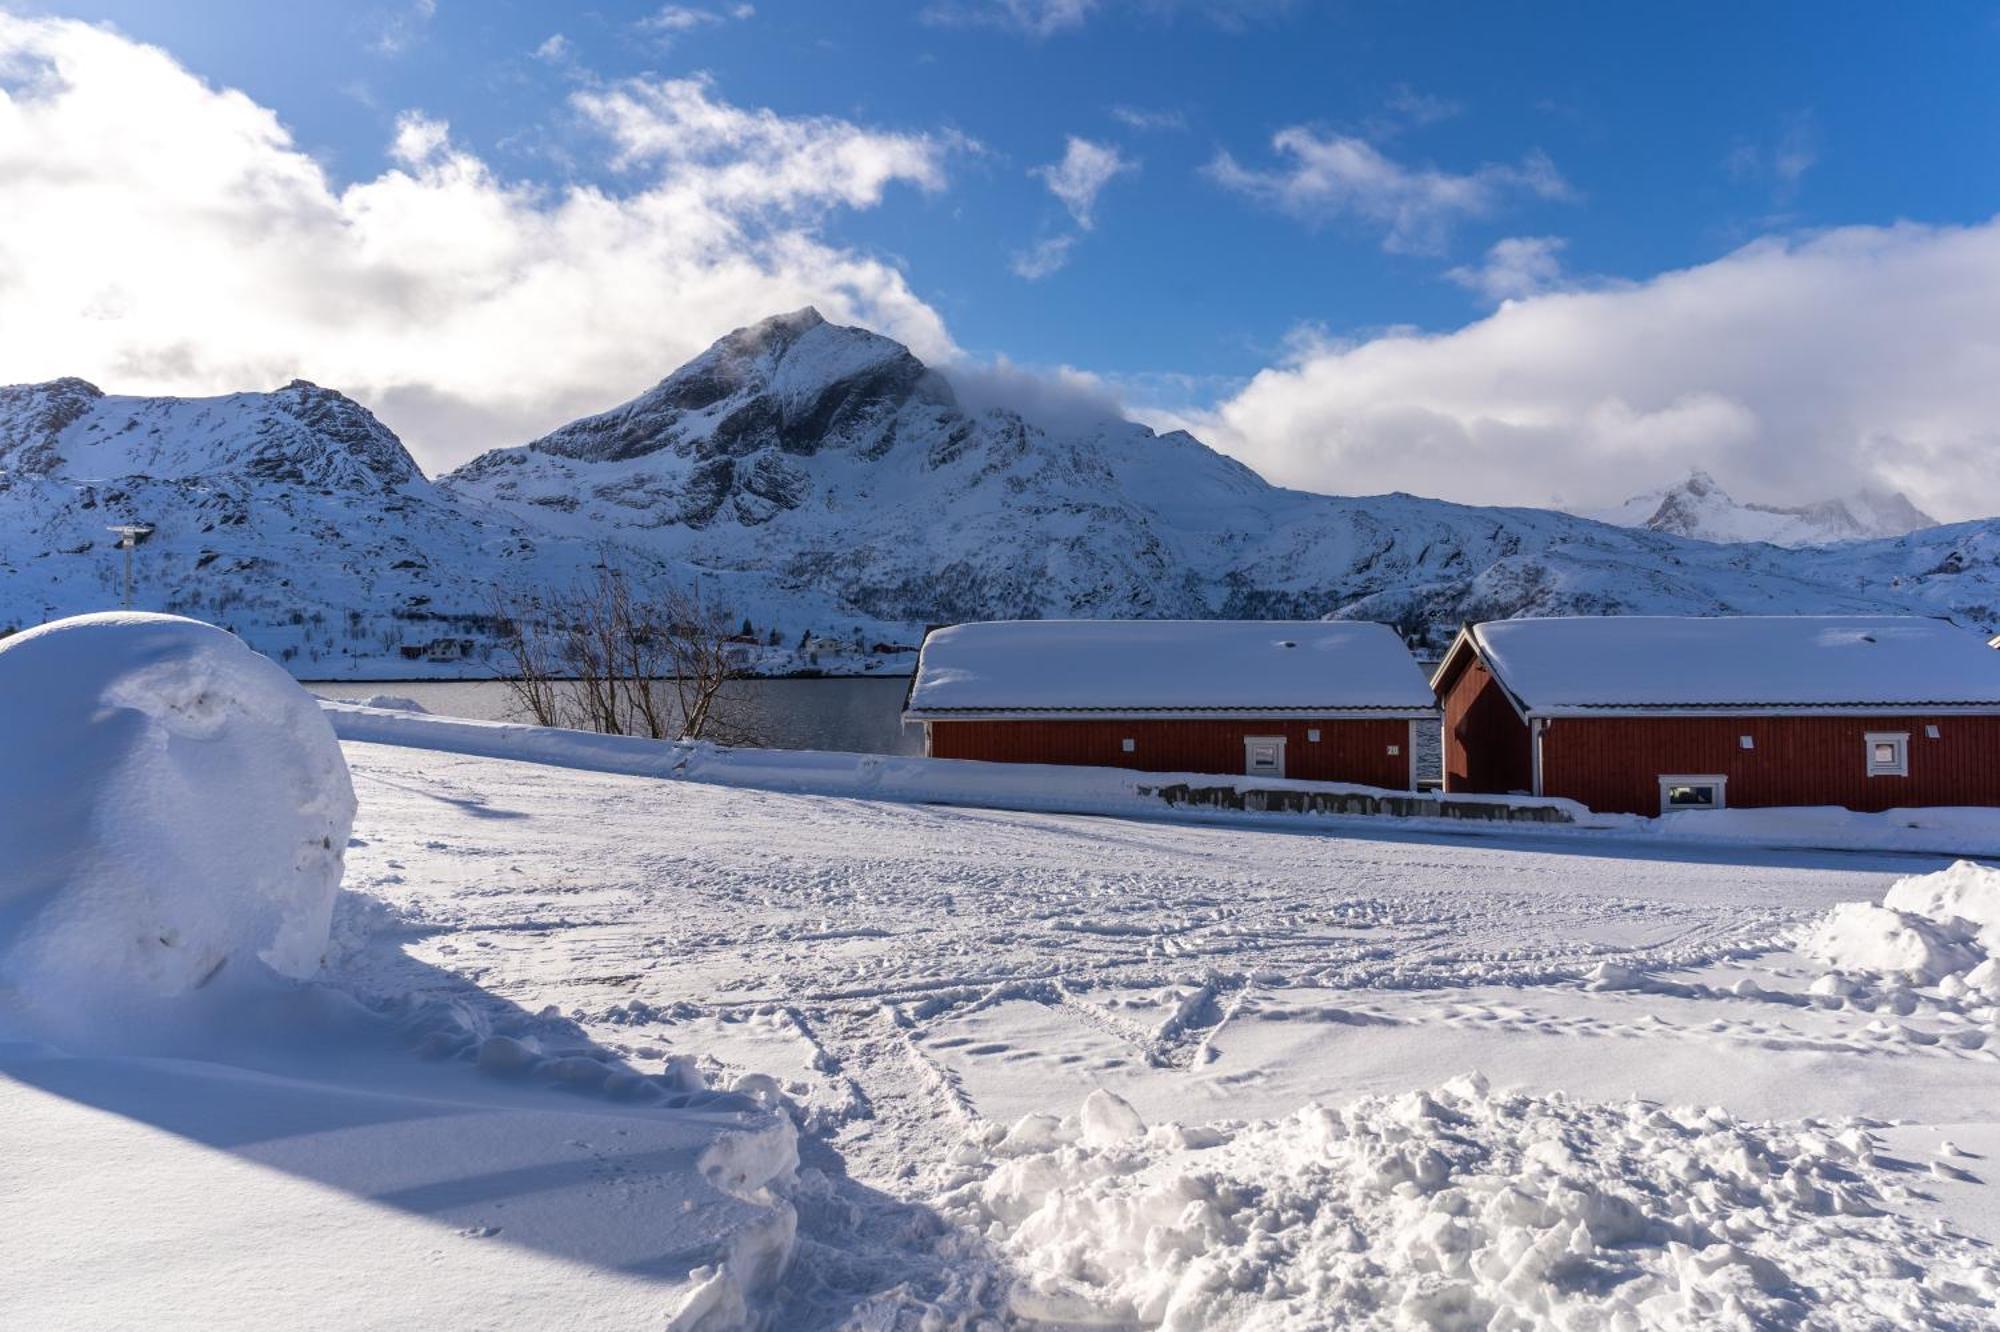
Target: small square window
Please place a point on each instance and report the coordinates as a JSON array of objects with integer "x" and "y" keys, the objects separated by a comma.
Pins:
[
  {"x": 1930, "y": 732},
  {"x": 1888, "y": 754},
  {"x": 1746, "y": 742},
  {"x": 1128, "y": 745},
  {"x": 1702, "y": 792},
  {"x": 1312, "y": 737}
]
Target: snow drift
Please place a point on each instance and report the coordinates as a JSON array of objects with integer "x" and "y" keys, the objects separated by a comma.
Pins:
[
  {"x": 1940, "y": 930},
  {"x": 172, "y": 802},
  {"x": 1460, "y": 1208}
]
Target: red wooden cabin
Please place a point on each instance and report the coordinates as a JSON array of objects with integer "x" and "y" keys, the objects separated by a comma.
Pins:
[
  {"x": 1648, "y": 714},
  {"x": 1318, "y": 700}
]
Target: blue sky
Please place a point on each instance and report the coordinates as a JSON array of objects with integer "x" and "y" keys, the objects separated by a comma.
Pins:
[{"x": 1599, "y": 145}]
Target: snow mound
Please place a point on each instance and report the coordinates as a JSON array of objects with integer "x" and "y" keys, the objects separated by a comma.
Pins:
[
  {"x": 1464, "y": 1209},
  {"x": 1966, "y": 892},
  {"x": 1860, "y": 936},
  {"x": 173, "y": 801},
  {"x": 388, "y": 703}
]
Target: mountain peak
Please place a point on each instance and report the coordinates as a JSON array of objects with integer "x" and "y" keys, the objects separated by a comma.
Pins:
[
  {"x": 1699, "y": 507},
  {"x": 789, "y": 385}
]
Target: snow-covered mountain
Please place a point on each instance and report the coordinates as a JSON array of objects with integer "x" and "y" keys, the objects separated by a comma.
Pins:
[
  {"x": 1699, "y": 507},
  {"x": 823, "y": 480},
  {"x": 831, "y": 458}
]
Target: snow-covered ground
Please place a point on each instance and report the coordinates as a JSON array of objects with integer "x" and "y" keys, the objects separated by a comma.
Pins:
[{"x": 1047, "y": 1069}]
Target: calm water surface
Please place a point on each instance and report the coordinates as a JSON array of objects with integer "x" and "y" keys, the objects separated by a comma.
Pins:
[{"x": 858, "y": 716}]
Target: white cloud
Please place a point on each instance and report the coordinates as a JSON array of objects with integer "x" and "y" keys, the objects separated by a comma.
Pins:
[
  {"x": 1791, "y": 369},
  {"x": 402, "y": 28},
  {"x": 1043, "y": 258},
  {"x": 555, "y": 49},
  {"x": 1059, "y": 399},
  {"x": 1783, "y": 163},
  {"x": 1085, "y": 169},
  {"x": 1336, "y": 175},
  {"x": 1035, "y": 18},
  {"x": 1045, "y": 18},
  {"x": 741, "y": 158},
  {"x": 1516, "y": 267},
  {"x": 1140, "y": 118},
  {"x": 164, "y": 236},
  {"x": 1409, "y": 107},
  {"x": 686, "y": 18}
]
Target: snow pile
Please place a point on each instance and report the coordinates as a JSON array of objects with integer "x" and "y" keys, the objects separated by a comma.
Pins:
[
  {"x": 172, "y": 801},
  {"x": 1931, "y": 929},
  {"x": 389, "y": 703},
  {"x": 1461, "y": 1209},
  {"x": 1966, "y": 892}
]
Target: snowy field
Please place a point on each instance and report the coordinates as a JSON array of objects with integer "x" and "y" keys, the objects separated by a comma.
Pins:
[{"x": 602, "y": 1050}]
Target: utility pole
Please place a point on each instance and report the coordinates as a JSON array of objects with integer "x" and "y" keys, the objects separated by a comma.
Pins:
[{"x": 130, "y": 535}]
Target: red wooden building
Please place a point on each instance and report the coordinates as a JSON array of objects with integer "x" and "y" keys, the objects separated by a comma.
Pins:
[
  {"x": 1646, "y": 714},
  {"x": 1319, "y": 700}
]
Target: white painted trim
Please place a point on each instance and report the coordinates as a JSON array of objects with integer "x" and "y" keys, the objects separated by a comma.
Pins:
[
  {"x": 1535, "y": 729},
  {"x": 1246, "y": 715},
  {"x": 1718, "y": 780},
  {"x": 1901, "y": 739},
  {"x": 927, "y": 739},
  {"x": 1410, "y": 754},
  {"x": 1277, "y": 740}
]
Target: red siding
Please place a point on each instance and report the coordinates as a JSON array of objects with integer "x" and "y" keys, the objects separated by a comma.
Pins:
[
  {"x": 1615, "y": 763},
  {"x": 1346, "y": 751},
  {"x": 1486, "y": 747}
]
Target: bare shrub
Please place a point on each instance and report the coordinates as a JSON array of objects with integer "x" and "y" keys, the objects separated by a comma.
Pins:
[{"x": 622, "y": 657}]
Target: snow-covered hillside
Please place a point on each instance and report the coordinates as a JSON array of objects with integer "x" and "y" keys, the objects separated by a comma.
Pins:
[
  {"x": 293, "y": 517},
  {"x": 1700, "y": 508},
  {"x": 826, "y": 482}
]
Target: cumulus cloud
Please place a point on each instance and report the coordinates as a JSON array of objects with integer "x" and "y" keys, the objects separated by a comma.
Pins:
[
  {"x": 1794, "y": 368},
  {"x": 1327, "y": 175},
  {"x": 165, "y": 236},
  {"x": 1085, "y": 169},
  {"x": 1516, "y": 267}
]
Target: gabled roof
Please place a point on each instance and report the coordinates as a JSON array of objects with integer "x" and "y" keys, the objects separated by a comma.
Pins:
[
  {"x": 1314, "y": 668},
  {"x": 1585, "y": 665}
]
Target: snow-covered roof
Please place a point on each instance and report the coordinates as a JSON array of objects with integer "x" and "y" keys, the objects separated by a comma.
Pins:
[
  {"x": 1265, "y": 667},
  {"x": 1656, "y": 663}
]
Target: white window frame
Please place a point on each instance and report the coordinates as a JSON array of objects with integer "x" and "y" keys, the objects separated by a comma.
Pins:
[
  {"x": 1250, "y": 740},
  {"x": 1900, "y": 765},
  {"x": 1714, "y": 779}
]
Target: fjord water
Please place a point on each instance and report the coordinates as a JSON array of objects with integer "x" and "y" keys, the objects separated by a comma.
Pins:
[{"x": 860, "y": 715}]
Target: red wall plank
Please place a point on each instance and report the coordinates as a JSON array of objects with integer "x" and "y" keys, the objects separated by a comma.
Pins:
[
  {"x": 1486, "y": 748},
  {"x": 1615, "y": 763},
  {"x": 1347, "y": 751}
]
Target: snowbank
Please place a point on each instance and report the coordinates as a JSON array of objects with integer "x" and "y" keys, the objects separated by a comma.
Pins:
[
  {"x": 1459, "y": 1208},
  {"x": 1939, "y": 930},
  {"x": 1047, "y": 788},
  {"x": 172, "y": 801}
]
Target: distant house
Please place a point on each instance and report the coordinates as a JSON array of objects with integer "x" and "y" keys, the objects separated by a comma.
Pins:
[
  {"x": 1321, "y": 700},
  {"x": 439, "y": 649},
  {"x": 1647, "y": 714}
]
